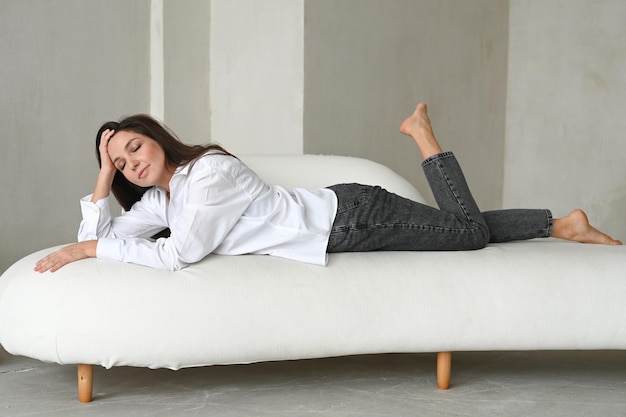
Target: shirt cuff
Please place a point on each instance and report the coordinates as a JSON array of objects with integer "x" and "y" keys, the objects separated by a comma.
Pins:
[
  {"x": 109, "y": 248},
  {"x": 94, "y": 215},
  {"x": 93, "y": 211}
]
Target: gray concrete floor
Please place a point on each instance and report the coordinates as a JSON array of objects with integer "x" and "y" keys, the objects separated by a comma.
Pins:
[{"x": 483, "y": 383}]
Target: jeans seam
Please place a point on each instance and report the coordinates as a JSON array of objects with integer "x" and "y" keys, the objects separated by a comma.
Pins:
[
  {"x": 549, "y": 221},
  {"x": 454, "y": 193},
  {"x": 345, "y": 228}
]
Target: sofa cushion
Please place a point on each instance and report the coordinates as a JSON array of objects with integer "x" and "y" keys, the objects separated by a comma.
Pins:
[{"x": 541, "y": 294}]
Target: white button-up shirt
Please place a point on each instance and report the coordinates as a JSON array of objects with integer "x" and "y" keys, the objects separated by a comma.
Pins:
[{"x": 216, "y": 205}]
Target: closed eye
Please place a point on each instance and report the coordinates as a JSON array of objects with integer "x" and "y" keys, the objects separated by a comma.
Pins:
[{"x": 132, "y": 146}]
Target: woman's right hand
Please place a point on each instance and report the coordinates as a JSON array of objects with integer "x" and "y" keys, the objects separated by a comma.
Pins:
[
  {"x": 66, "y": 255},
  {"x": 105, "y": 160},
  {"x": 107, "y": 169}
]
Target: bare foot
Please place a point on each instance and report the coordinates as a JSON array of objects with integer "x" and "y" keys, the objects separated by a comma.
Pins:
[
  {"x": 575, "y": 226},
  {"x": 419, "y": 128}
]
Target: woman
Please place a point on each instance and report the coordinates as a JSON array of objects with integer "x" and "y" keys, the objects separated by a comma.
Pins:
[{"x": 213, "y": 203}]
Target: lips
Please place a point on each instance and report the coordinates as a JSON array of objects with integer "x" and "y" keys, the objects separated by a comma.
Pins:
[{"x": 142, "y": 173}]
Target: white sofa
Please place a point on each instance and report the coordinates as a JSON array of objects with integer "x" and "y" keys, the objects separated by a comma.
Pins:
[{"x": 531, "y": 295}]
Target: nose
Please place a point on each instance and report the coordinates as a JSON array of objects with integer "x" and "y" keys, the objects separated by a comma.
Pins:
[{"x": 134, "y": 164}]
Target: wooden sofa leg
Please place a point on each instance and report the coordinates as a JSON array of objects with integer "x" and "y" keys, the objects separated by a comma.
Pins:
[
  {"x": 85, "y": 383},
  {"x": 444, "y": 367}
]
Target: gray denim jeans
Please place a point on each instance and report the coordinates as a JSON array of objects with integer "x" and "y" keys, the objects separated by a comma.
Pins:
[{"x": 369, "y": 218}]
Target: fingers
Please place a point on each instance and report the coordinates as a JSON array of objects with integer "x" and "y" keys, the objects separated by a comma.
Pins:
[
  {"x": 104, "y": 140},
  {"x": 50, "y": 263},
  {"x": 62, "y": 257},
  {"x": 105, "y": 158},
  {"x": 53, "y": 262},
  {"x": 106, "y": 135}
]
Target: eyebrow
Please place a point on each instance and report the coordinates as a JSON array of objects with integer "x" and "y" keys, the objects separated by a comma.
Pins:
[{"x": 125, "y": 148}]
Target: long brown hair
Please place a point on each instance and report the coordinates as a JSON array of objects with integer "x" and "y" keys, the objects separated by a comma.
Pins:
[{"x": 177, "y": 153}]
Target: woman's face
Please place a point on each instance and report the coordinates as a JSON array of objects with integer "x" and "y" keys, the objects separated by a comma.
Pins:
[{"x": 140, "y": 158}]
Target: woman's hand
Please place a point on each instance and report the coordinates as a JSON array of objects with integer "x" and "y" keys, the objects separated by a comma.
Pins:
[
  {"x": 105, "y": 160},
  {"x": 64, "y": 256},
  {"x": 107, "y": 169}
]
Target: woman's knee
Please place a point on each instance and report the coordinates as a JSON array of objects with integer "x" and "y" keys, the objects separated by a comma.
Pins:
[
  {"x": 483, "y": 236},
  {"x": 479, "y": 238}
]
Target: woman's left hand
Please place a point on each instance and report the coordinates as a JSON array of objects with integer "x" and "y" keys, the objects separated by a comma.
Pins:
[{"x": 64, "y": 256}]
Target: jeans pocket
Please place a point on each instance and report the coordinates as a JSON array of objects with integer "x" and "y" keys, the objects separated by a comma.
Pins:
[{"x": 351, "y": 196}]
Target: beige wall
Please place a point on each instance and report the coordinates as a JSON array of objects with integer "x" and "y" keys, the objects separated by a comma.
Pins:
[
  {"x": 256, "y": 75},
  {"x": 565, "y": 127},
  {"x": 368, "y": 63},
  {"x": 186, "y": 53},
  {"x": 67, "y": 66}
]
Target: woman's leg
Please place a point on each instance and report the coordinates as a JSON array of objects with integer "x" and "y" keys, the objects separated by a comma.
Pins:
[
  {"x": 442, "y": 171},
  {"x": 504, "y": 225},
  {"x": 370, "y": 218},
  {"x": 518, "y": 224}
]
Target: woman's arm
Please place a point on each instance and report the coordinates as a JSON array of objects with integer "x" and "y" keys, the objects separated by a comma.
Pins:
[
  {"x": 87, "y": 247},
  {"x": 214, "y": 200},
  {"x": 141, "y": 222},
  {"x": 145, "y": 218},
  {"x": 217, "y": 195}
]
